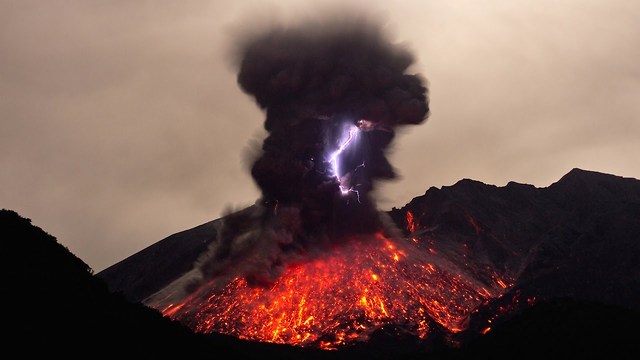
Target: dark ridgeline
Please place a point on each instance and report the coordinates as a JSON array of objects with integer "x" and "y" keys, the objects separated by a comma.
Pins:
[{"x": 577, "y": 238}]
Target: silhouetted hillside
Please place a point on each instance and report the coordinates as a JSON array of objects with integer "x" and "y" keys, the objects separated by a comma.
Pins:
[
  {"x": 561, "y": 328},
  {"x": 54, "y": 305}
]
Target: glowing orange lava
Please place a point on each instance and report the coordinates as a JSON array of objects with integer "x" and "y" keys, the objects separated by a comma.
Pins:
[
  {"x": 339, "y": 297},
  {"x": 411, "y": 225}
]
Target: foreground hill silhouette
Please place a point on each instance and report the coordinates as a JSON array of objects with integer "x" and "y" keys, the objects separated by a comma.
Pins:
[
  {"x": 53, "y": 304},
  {"x": 585, "y": 274}
]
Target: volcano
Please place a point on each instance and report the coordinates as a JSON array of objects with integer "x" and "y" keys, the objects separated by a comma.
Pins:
[
  {"x": 313, "y": 263},
  {"x": 461, "y": 260}
]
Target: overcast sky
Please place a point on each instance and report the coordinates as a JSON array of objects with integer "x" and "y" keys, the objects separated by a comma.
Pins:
[{"x": 121, "y": 122}]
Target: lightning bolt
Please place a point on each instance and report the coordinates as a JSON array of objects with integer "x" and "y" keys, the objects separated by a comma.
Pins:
[{"x": 353, "y": 131}]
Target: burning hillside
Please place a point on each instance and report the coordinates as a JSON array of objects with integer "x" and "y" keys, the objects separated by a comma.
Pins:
[{"x": 340, "y": 297}]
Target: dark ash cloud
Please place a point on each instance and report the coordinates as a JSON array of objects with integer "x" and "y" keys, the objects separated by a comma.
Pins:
[{"x": 318, "y": 85}]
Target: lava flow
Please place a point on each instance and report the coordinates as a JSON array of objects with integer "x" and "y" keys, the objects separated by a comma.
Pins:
[{"x": 340, "y": 297}]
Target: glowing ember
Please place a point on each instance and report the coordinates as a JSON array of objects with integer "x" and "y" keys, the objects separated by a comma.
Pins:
[
  {"x": 339, "y": 297},
  {"x": 411, "y": 225}
]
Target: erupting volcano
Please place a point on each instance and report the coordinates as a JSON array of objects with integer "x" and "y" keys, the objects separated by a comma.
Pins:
[
  {"x": 341, "y": 296},
  {"x": 313, "y": 262}
]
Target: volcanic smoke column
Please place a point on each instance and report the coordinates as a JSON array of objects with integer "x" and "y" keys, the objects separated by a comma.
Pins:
[{"x": 333, "y": 95}]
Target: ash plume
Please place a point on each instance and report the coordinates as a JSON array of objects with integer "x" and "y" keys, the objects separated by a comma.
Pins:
[
  {"x": 333, "y": 94},
  {"x": 314, "y": 82}
]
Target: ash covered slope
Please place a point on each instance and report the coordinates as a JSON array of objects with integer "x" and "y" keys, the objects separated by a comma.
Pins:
[
  {"x": 150, "y": 269},
  {"x": 576, "y": 238}
]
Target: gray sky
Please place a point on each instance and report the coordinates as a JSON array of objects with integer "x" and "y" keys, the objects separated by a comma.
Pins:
[{"x": 121, "y": 122}]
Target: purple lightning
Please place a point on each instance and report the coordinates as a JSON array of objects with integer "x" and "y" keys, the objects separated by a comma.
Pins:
[{"x": 334, "y": 159}]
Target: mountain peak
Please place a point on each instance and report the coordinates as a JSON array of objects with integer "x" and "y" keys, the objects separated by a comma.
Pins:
[
  {"x": 597, "y": 184},
  {"x": 577, "y": 173}
]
